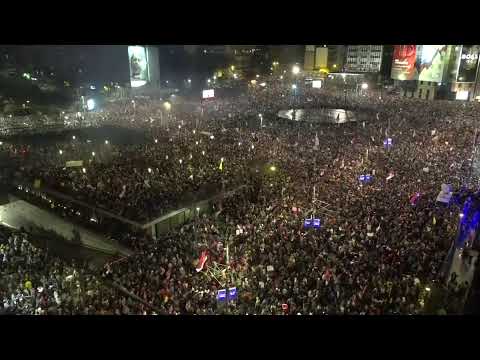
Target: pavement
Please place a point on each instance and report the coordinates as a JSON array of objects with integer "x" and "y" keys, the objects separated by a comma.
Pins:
[{"x": 465, "y": 270}]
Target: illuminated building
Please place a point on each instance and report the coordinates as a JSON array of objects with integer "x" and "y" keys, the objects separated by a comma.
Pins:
[{"x": 363, "y": 58}]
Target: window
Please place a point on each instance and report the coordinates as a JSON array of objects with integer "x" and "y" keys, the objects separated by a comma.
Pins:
[
  {"x": 420, "y": 93},
  {"x": 427, "y": 95}
]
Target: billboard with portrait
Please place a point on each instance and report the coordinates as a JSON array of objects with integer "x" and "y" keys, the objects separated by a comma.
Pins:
[
  {"x": 404, "y": 59},
  {"x": 431, "y": 60},
  {"x": 467, "y": 69},
  {"x": 137, "y": 56},
  {"x": 419, "y": 62}
]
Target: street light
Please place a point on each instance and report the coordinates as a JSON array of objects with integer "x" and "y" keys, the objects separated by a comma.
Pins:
[
  {"x": 294, "y": 86},
  {"x": 295, "y": 70},
  {"x": 167, "y": 105},
  {"x": 364, "y": 86},
  {"x": 232, "y": 68}
]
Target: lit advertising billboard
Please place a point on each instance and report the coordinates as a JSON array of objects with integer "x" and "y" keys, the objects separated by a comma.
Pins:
[
  {"x": 419, "y": 62},
  {"x": 208, "y": 94},
  {"x": 404, "y": 59},
  {"x": 137, "y": 56},
  {"x": 462, "y": 95},
  {"x": 317, "y": 84},
  {"x": 467, "y": 69},
  {"x": 431, "y": 61}
]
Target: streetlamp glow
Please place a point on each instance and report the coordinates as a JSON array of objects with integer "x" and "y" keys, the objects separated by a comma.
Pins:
[
  {"x": 273, "y": 168},
  {"x": 294, "y": 86},
  {"x": 364, "y": 86},
  {"x": 93, "y": 153},
  {"x": 167, "y": 105},
  {"x": 295, "y": 70},
  {"x": 232, "y": 68}
]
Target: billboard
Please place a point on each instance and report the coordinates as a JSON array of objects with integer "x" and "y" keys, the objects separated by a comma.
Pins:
[
  {"x": 137, "y": 56},
  {"x": 404, "y": 58},
  {"x": 317, "y": 84},
  {"x": 208, "y": 94},
  {"x": 462, "y": 95},
  {"x": 419, "y": 62},
  {"x": 467, "y": 69}
]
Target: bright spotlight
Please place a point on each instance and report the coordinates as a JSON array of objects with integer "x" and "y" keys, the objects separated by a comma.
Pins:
[
  {"x": 295, "y": 70},
  {"x": 90, "y": 104},
  {"x": 364, "y": 86}
]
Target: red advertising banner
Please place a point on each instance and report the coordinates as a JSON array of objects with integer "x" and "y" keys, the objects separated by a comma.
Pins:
[{"x": 404, "y": 59}]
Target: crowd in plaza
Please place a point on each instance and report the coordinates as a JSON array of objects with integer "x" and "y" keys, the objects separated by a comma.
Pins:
[{"x": 377, "y": 251}]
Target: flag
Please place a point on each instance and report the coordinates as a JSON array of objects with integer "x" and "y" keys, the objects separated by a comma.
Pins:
[
  {"x": 317, "y": 142},
  {"x": 202, "y": 260},
  {"x": 390, "y": 176},
  {"x": 434, "y": 221},
  {"x": 221, "y": 165}
]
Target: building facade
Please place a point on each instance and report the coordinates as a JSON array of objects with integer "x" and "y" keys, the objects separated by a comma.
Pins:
[
  {"x": 448, "y": 72},
  {"x": 336, "y": 58},
  {"x": 363, "y": 58}
]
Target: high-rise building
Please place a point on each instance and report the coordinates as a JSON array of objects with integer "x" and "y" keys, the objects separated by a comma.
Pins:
[
  {"x": 363, "y": 58},
  {"x": 316, "y": 57},
  {"x": 336, "y": 57}
]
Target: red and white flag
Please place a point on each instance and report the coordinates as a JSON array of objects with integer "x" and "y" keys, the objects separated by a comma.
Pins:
[{"x": 202, "y": 260}]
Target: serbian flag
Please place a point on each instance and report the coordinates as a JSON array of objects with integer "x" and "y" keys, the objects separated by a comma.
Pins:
[{"x": 202, "y": 260}]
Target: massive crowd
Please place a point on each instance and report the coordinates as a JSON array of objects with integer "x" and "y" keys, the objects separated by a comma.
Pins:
[{"x": 376, "y": 251}]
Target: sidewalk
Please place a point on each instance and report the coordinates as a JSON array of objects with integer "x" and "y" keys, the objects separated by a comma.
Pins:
[{"x": 465, "y": 271}]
